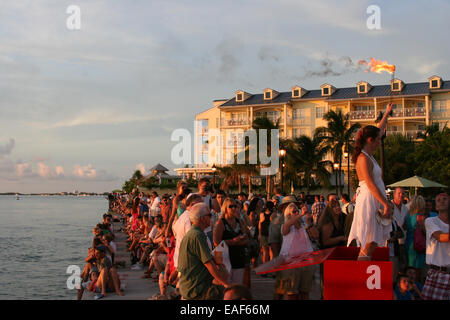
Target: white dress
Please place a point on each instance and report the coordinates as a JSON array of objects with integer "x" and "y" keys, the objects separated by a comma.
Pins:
[{"x": 365, "y": 227}]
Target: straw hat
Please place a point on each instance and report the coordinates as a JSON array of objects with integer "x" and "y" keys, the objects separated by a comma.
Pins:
[{"x": 286, "y": 201}]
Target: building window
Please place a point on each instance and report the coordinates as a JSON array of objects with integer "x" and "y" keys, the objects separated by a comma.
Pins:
[
  {"x": 434, "y": 83},
  {"x": 267, "y": 95},
  {"x": 217, "y": 122},
  {"x": 239, "y": 97},
  {"x": 296, "y": 93},
  {"x": 320, "y": 111},
  {"x": 362, "y": 88},
  {"x": 299, "y": 113},
  {"x": 395, "y": 86},
  {"x": 438, "y": 105},
  {"x": 326, "y": 91}
]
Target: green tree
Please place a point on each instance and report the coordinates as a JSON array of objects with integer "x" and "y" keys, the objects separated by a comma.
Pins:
[
  {"x": 338, "y": 132},
  {"x": 398, "y": 158},
  {"x": 432, "y": 156},
  {"x": 305, "y": 156}
]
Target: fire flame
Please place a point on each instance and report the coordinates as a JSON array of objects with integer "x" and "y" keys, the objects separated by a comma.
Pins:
[{"x": 378, "y": 66}]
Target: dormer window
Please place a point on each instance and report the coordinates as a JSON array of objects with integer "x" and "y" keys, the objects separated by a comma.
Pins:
[
  {"x": 327, "y": 90},
  {"x": 297, "y": 92},
  {"x": 396, "y": 85},
  {"x": 435, "y": 82},
  {"x": 363, "y": 87},
  {"x": 269, "y": 94},
  {"x": 242, "y": 96}
]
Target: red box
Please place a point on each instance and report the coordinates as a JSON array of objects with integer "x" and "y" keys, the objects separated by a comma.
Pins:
[{"x": 345, "y": 278}]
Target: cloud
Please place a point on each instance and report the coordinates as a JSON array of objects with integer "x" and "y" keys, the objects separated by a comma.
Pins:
[
  {"x": 141, "y": 167},
  {"x": 7, "y": 148},
  {"x": 84, "y": 171},
  {"x": 24, "y": 169}
]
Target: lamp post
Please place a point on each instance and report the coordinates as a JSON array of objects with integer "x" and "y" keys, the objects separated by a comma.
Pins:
[
  {"x": 282, "y": 154},
  {"x": 336, "y": 166},
  {"x": 347, "y": 156},
  {"x": 214, "y": 169}
]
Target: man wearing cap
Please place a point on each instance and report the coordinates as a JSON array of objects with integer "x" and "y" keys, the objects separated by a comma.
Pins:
[{"x": 437, "y": 284}]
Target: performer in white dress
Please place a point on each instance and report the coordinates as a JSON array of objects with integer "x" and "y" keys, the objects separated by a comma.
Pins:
[{"x": 367, "y": 230}]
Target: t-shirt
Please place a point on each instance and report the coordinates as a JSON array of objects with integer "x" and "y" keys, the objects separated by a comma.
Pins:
[
  {"x": 180, "y": 228},
  {"x": 407, "y": 295},
  {"x": 400, "y": 216},
  {"x": 437, "y": 253},
  {"x": 195, "y": 278}
]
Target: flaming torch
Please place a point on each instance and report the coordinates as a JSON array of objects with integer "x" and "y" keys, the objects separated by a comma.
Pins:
[{"x": 378, "y": 67}]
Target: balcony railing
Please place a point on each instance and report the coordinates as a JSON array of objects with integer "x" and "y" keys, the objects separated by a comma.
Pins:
[
  {"x": 408, "y": 112},
  {"x": 357, "y": 115},
  {"x": 235, "y": 123}
]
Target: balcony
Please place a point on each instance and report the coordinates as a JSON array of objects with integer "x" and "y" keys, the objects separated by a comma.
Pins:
[
  {"x": 234, "y": 122},
  {"x": 407, "y": 112}
]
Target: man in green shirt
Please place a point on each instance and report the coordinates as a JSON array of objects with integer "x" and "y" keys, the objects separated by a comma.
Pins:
[{"x": 195, "y": 262}]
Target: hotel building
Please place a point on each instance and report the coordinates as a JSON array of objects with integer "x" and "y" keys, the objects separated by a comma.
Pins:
[{"x": 300, "y": 111}]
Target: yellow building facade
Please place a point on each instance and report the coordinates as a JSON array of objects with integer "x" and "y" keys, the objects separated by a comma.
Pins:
[{"x": 300, "y": 111}]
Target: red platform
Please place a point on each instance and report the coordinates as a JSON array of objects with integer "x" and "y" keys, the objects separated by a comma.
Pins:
[{"x": 345, "y": 278}]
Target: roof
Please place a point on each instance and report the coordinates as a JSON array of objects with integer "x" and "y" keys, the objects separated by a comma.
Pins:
[
  {"x": 158, "y": 167},
  {"x": 409, "y": 89}
]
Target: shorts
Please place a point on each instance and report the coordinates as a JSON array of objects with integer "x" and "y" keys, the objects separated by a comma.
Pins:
[
  {"x": 294, "y": 281},
  {"x": 275, "y": 234}
]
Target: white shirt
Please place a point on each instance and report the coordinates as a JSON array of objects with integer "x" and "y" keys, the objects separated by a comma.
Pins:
[
  {"x": 155, "y": 203},
  {"x": 296, "y": 242},
  {"x": 180, "y": 228},
  {"x": 437, "y": 253},
  {"x": 153, "y": 233},
  {"x": 399, "y": 216}
]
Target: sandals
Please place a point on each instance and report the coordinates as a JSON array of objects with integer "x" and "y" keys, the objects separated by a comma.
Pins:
[{"x": 98, "y": 296}]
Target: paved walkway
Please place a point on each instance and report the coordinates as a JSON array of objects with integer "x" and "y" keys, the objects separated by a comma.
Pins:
[{"x": 137, "y": 288}]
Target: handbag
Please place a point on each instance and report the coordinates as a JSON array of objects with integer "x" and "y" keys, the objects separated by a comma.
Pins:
[{"x": 419, "y": 237}]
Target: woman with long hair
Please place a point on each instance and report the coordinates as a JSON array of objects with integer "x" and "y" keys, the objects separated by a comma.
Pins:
[
  {"x": 416, "y": 218},
  {"x": 331, "y": 226},
  {"x": 368, "y": 229},
  {"x": 231, "y": 229}
]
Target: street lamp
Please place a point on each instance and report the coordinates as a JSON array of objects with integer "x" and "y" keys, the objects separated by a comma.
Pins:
[
  {"x": 347, "y": 156},
  {"x": 336, "y": 166},
  {"x": 282, "y": 154},
  {"x": 214, "y": 169}
]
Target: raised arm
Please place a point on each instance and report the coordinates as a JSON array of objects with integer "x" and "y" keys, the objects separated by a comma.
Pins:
[{"x": 383, "y": 123}]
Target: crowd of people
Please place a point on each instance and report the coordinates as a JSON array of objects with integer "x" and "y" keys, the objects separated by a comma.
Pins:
[{"x": 203, "y": 244}]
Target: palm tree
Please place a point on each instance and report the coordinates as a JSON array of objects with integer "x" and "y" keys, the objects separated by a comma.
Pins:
[
  {"x": 338, "y": 133},
  {"x": 306, "y": 155},
  {"x": 265, "y": 123}
]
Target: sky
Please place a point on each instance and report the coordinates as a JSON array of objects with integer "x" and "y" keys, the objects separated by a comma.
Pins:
[{"x": 83, "y": 109}]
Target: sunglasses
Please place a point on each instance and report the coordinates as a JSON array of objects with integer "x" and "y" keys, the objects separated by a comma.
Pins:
[
  {"x": 207, "y": 215},
  {"x": 232, "y": 206},
  {"x": 295, "y": 211}
]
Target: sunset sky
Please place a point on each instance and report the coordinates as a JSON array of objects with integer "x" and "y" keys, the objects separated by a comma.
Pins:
[{"x": 82, "y": 109}]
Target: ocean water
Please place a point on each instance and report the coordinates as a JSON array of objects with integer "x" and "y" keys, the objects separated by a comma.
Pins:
[{"x": 39, "y": 238}]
